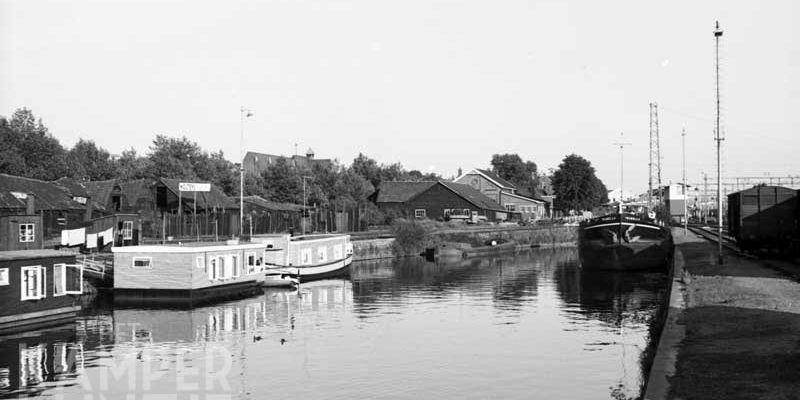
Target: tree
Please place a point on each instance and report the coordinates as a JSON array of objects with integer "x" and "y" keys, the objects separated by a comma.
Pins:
[
  {"x": 283, "y": 183},
  {"x": 131, "y": 166},
  {"x": 44, "y": 156},
  {"x": 575, "y": 185},
  {"x": 522, "y": 174},
  {"x": 367, "y": 168},
  {"x": 88, "y": 162},
  {"x": 11, "y": 161},
  {"x": 174, "y": 158}
]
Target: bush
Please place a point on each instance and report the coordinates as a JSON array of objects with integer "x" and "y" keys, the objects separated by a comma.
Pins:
[{"x": 411, "y": 236}]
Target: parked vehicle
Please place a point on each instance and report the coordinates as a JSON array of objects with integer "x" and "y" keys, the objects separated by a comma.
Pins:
[{"x": 764, "y": 217}]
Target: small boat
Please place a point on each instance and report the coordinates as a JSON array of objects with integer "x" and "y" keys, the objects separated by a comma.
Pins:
[
  {"x": 277, "y": 277},
  {"x": 307, "y": 257},
  {"x": 624, "y": 242}
]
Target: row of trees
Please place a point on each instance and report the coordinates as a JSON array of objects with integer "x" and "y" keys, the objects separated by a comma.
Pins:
[{"x": 28, "y": 149}]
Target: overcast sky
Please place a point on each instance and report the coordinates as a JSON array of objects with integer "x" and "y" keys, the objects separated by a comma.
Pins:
[{"x": 435, "y": 85}]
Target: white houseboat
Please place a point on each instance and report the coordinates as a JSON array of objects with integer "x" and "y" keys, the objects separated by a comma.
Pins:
[
  {"x": 191, "y": 273},
  {"x": 307, "y": 257}
]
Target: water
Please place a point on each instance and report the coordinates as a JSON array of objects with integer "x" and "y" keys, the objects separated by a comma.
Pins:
[{"x": 526, "y": 326}]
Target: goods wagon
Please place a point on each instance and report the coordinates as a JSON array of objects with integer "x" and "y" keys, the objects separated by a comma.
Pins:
[{"x": 763, "y": 217}]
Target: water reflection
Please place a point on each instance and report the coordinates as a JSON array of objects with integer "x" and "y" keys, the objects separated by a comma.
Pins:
[{"x": 525, "y": 325}]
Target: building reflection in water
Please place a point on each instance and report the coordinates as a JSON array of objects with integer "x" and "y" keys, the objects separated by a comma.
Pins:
[{"x": 29, "y": 360}]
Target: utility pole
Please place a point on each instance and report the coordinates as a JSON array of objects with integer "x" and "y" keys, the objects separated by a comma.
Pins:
[
  {"x": 704, "y": 204},
  {"x": 719, "y": 138},
  {"x": 244, "y": 113},
  {"x": 683, "y": 151},
  {"x": 655, "y": 157},
  {"x": 621, "y": 145}
]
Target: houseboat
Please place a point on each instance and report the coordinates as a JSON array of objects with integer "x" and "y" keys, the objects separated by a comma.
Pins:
[
  {"x": 38, "y": 288},
  {"x": 308, "y": 257},
  {"x": 624, "y": 242},
  {"x": 188, "y": 274}
]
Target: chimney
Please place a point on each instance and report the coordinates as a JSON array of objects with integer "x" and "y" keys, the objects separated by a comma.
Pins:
[
  {"x": 30, "y": 205},
  {"x": 459, "y": 172}
]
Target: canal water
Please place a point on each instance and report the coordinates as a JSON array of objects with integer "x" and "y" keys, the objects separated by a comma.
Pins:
[{"x": 529, "y": 325}]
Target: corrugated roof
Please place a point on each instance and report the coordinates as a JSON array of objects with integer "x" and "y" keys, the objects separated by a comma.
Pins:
[
  {"x": 271, "y": 205},
  {"x": 72, "y": 187},
  {"x": 473, "y": 196},
  {"x": 400, "y": 192},
  {"x": 214, "y": 198},
  {"x": 491, "y": 175},
  {"x": 48, "y": 195}
]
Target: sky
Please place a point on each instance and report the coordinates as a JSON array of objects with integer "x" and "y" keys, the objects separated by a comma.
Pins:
[{"x": 432, "y": 84}]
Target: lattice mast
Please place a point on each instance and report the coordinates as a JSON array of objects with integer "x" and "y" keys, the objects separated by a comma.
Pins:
[{"x": 655, "y": 157}]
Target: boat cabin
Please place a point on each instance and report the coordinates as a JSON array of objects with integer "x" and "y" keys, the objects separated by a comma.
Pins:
[
  {"x": 187, "y": 274},
  {"x": 38, "y": 288}
]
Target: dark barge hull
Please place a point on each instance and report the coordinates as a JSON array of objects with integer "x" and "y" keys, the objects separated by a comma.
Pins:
[
  {"x": 184, "y": 298},
  {"x": 621, "y": 242}
]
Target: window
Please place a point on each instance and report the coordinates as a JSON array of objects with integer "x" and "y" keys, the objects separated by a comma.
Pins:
[
  {"x": 212, "y": 270},
  {"x": 3, "y": 276},
  {"x": 26, "y": 233},
  {"x": 510, "y": 207},
  {"x": 251, "y": 263},
  {"x": 419, "y": 213},
  {"x": 200, "y": 262},
  {"x": 127, "y": 230},
  {"x": 305, "y": 256},
  {"x": 67, "y": 279},
  {"x": 235, "y": 266},
  {"x": 32, "y": 281},
  {"x": 446, "y": 212},
  {"x": 322, "y": 254},
  {"x": 143, "y": 262},
  {"x": 222, "y": 272}
]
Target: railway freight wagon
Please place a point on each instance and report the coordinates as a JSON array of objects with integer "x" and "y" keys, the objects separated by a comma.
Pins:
[{"x": 764, "y": 217}]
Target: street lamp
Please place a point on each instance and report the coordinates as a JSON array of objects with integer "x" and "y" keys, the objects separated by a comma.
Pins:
[
  {"x": 303, "y": 219},
  {"x": 244, "y": 113},
  {"x": 719, "y": 138}
]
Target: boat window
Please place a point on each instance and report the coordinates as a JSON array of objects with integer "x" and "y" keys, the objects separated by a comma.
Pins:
[
  {"x": 305, "y": 256},
  {"x": 3, "y": 276},
  {"x": 32, "y": 280},
  {"x": 322, "y": 254},
  {"x": 222, "y": 272},
  {"x": 251, "y": 263},
  {"x": 212, "y": 270},
  {"x": 201, "y": 262},
  {"x": 235, "y": 267},
  {"x": 143, "y": 262}
]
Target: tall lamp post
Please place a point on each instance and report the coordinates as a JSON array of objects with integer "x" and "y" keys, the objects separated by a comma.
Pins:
[
  {"x": 718, "y": 137},
  {"x": 303, "y": 220},
  {"x": 621, "y": 145},
  {"x": 244, "y": 113}
]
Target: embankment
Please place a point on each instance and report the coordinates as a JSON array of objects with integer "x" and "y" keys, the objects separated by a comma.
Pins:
[{"x": 424, "y": 237}]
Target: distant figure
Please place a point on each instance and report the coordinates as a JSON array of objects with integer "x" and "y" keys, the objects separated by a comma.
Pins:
[
  {"x": 256, "y": 338},
  {"x": 283, "y": 341},
  {"x": 291, "y": 231}
]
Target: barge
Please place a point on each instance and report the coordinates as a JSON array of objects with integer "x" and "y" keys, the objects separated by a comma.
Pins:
[
  {"x": 308, "y": 257},
  {"x": 188, "y": 274},
  {"x": 624, "y": 242},
  {"x": 38, "y": 288}
]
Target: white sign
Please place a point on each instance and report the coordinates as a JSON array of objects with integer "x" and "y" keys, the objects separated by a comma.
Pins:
[
  {"x": 3, "y": 276},
  {"x": 194, "y": 187}
]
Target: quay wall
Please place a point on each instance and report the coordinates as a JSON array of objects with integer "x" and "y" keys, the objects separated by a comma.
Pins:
[{"x": 378, "y": 248}]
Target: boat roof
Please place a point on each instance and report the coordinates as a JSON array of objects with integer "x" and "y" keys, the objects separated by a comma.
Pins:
[
  {"x": 33, "y": 254},
  {"x": 189, "y": 247}
]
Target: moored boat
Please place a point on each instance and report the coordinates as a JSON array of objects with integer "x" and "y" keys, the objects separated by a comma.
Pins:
[
  {"x": 624, "y": 242},
  {"x": 307, "y": 257}
]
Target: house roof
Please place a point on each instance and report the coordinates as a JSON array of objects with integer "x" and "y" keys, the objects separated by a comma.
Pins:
[
  {"x": 474, "y": 196},
  {"x": 533, "y": 199},
  {"x": 214, "y": 198},
  {"x": 48, "y": 195},
  {"x": 400, "y": 192},
  {"x": 496, "y": 178},
  {"x": 100, "y": 191},
  {"x": 259, "y": 201},
  {"x": 136, "y": 189}
]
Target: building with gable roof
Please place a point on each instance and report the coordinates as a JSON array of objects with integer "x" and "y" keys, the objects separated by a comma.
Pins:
[
  {"x": 440, "y": 199},
  {"x": 256, "y": 163},
  {"x": 504, "y": 193}
]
